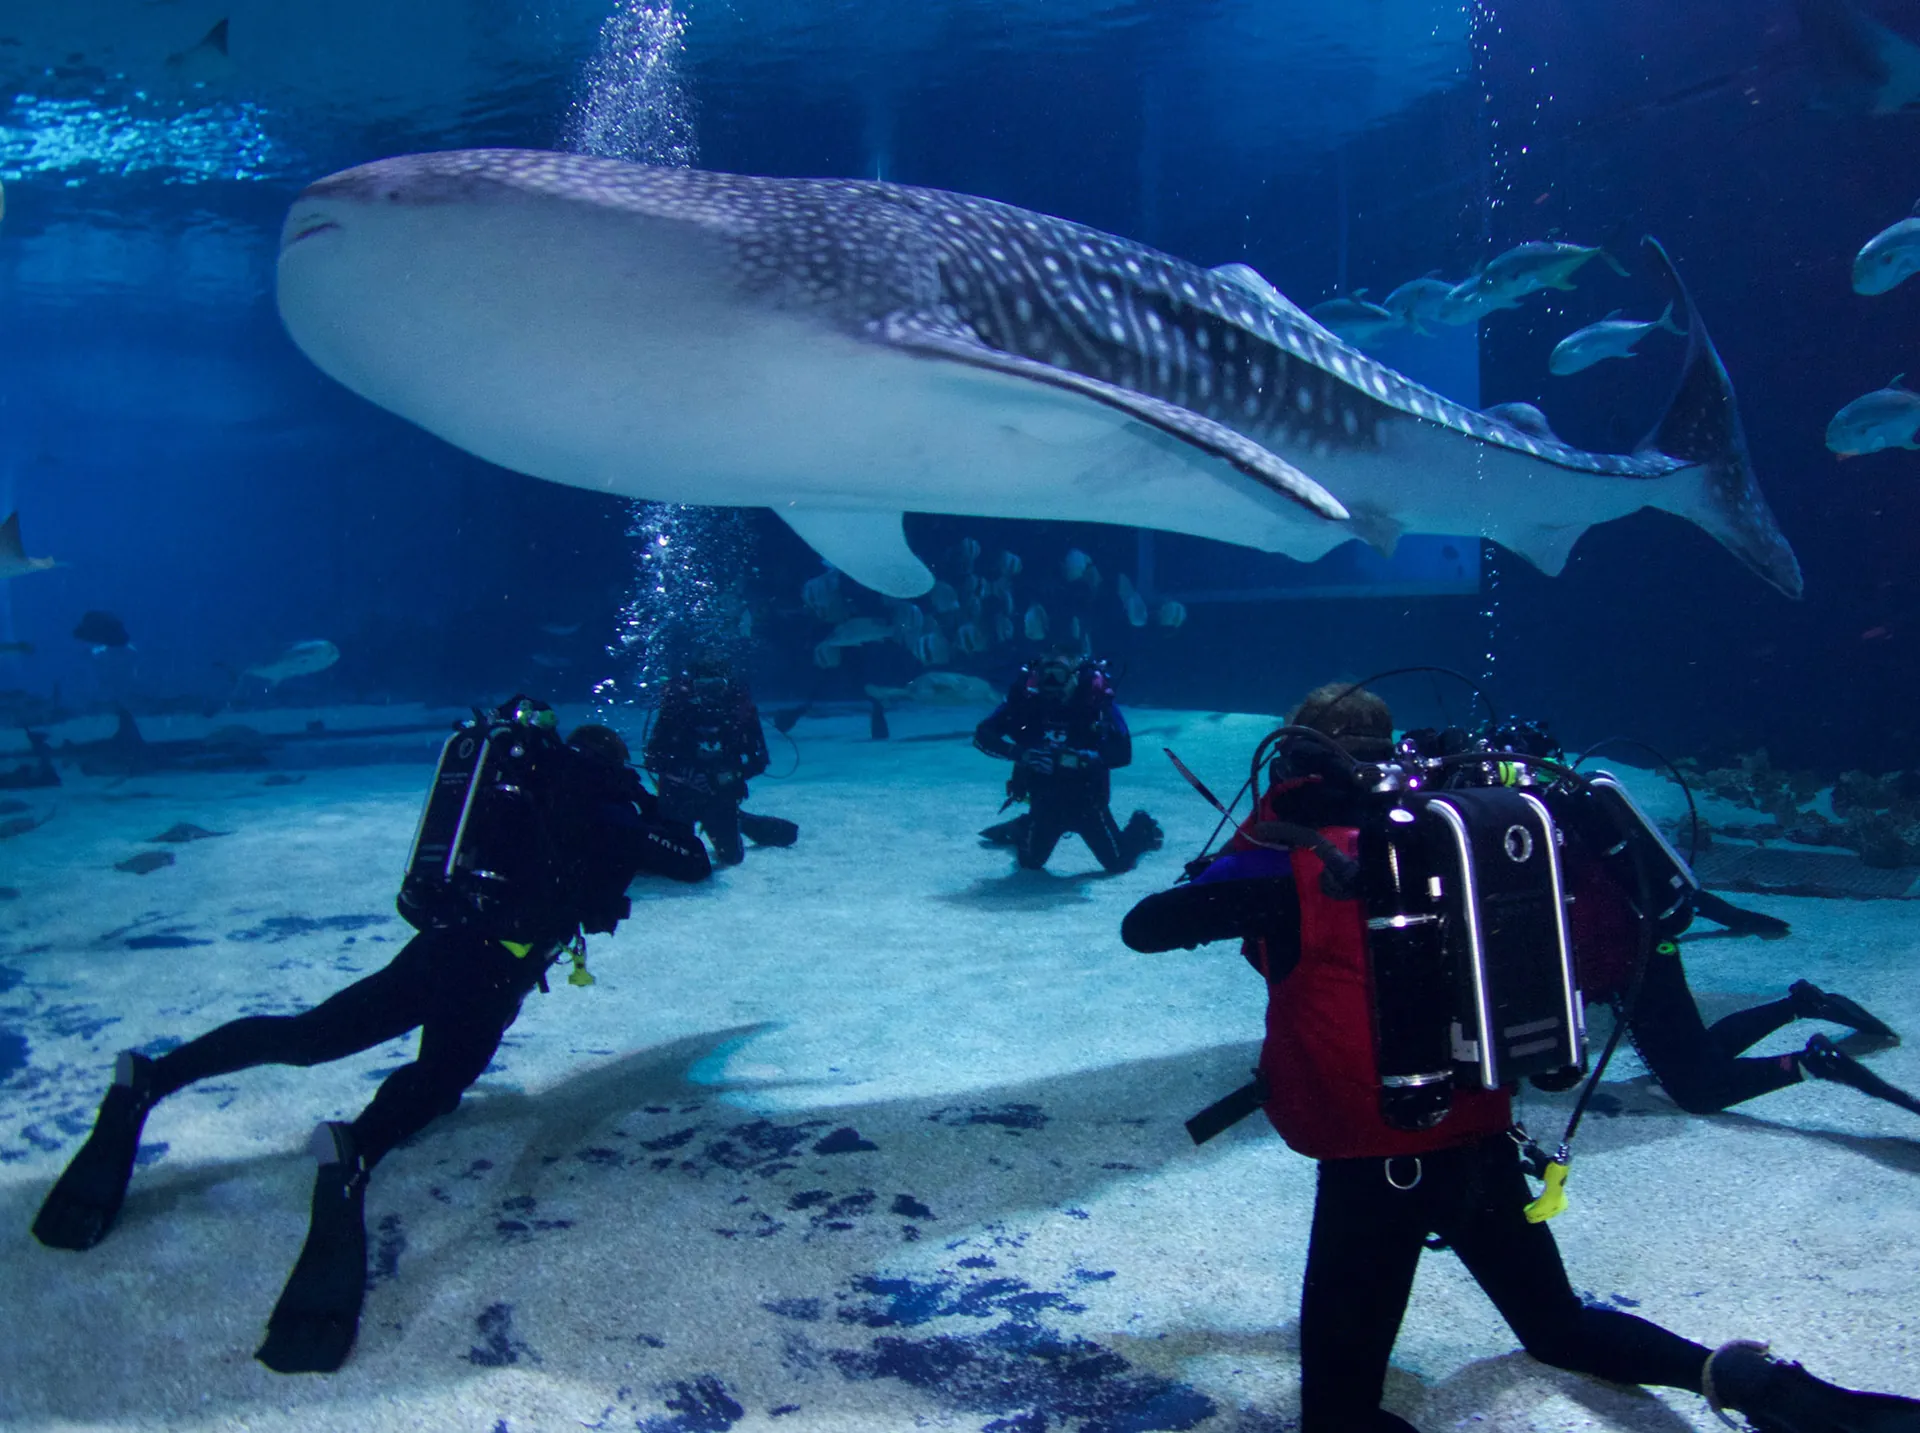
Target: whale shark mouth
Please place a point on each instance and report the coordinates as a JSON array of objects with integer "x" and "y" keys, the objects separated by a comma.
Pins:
[{"x": 307, "y": 231}]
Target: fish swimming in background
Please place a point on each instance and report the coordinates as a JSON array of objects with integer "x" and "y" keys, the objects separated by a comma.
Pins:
[
  {"x": 14, "y": 561},
  {"x": 1418, "y": 302},
  {"x": 1890, "y": 257},
  {"x": 952, "y": 689},
  {"x": 1885, "y": 418},
  {"x": 1172, "y": 613},
  {"x": 1035, "y": 623},
  {"x": 931, "y": 649},
  {"x": 1131, "y": 601},
  {"x": 1360, "y": 323},
  {"x": 943, "y": 598},
  {"x": 1527, "y": 269},
  {"x": 101, "y": 631},
  {"x": 300, "y": 660},
  {"x": 842, "y": 351},
  {"x": 1075, "y": 564},
  {"x": 1611, "y": 337},
  {"x": 1007, "y": 565},
  {"x": 559, "y": 629},
  {"x": 858, "y": 631},
  {"x": 552, "y": 661}
]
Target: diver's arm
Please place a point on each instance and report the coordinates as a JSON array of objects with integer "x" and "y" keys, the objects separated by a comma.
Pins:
[
  {"x": 1116, "y": 742},
  {"x": 1243, "y": 896},
  {"x": 994, "y": 737},
  {"x": 754, "y": 740}
]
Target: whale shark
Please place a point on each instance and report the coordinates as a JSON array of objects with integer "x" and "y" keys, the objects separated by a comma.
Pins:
[{"x": 843, "y": 351}]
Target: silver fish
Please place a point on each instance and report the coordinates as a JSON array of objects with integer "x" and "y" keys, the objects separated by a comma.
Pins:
[
  {"x": 845, "y": 350},
  {"x": 1611, "y": 337},
  {"x": 1418, "y": 302},
  {"x": 1354, "y": 319},
  {"x": 1889, "y": 258},
  {"x": 1885, "y": 418}
]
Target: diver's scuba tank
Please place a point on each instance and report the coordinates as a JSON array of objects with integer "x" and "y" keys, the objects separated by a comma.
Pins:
[{"x": 482, "y": 854}]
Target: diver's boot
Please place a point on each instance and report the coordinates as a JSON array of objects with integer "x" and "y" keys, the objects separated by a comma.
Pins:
[
  {"x": 311, "y": 1329},
  {"x": 86, "y": 1199},
  {"x": 1784, "y": 1398},
  {"x": 768, "y": 830},
  {"x": 1810, "y": 1002},
  {"x": 1140, "y": 835},
  {"x": 1826, "y": 1061}
]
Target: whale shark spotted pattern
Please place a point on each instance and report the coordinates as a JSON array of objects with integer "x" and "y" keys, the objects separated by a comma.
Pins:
[{"x": 845, "y": 350}]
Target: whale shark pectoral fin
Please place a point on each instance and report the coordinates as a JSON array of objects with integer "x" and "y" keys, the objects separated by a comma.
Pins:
[
  {"x": 934, "y": 337},
  {"x": 1376, "y": 527},
  {"x": 867, "y": 545}
]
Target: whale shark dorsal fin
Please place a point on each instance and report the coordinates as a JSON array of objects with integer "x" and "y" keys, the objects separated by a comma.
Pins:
[
  {"x": 867, "y": 546},
  {"x": 934, "y": 336},
  {"x": 10, "y": 539}
]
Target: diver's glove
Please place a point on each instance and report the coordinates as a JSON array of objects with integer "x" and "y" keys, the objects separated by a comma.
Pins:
[
  {"x": 1038, "y": 760},
  {"x": 1080, "y": 759}
]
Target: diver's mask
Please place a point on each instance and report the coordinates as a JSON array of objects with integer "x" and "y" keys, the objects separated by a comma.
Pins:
[{"x": 1056, "y": 678}]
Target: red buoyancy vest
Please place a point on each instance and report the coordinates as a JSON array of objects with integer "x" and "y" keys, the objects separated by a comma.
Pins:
[{"x": 1323, "y": 1081}]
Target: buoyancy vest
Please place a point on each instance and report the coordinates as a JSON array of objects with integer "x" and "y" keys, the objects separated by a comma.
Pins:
[{"x": 1318, "y": 1063}]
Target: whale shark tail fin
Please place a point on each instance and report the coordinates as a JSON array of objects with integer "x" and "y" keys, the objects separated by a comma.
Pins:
[{"x": 1702, "y": 428}]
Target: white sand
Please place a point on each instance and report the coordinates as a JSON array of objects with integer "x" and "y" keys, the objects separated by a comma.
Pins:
[{"x": 1022, "y": 1076}]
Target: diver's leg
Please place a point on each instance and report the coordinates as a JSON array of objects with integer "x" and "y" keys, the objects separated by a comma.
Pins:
[
  {"x": 473, "y": 994},
  {"x": 1360, "y": 1264},
  {"x": 1685, "y": 1057},
  {"x": 1518, "y": 1265},
  {"x": 1045, "y": 826},
  {"x": 1101, "y": 832},
  {"x": 721, "y": 821},
  {"x": 86, "y": 1199}
]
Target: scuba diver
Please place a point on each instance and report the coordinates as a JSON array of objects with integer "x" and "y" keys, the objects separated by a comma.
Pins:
[
  {"x": 525, "y": 843},
  {"x": 1703, "y": 1068},
  {"x": 1394, "y": 899},
  {"x": 705, "y": 745},
  {"x": 1064, "y": 735}
]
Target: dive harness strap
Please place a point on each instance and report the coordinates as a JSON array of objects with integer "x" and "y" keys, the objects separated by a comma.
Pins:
[
  {"x": 1227, "y": 1111},
  {"x": 574, "y": 948}
]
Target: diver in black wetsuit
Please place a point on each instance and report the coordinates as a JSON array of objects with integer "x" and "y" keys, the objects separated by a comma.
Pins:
[
  {"x": 705, "y": 745},
  {"x": 1062, "y": 732},
  {"x": 1704, "y": 1068},
  {"x": 457, "y": 982}
]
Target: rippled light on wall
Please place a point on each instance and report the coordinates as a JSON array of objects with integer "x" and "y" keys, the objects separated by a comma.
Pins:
[{"x": 78, "y": 138}]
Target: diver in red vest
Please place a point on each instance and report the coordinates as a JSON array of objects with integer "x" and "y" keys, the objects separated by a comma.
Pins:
[{"x": 1288, "y": 885}]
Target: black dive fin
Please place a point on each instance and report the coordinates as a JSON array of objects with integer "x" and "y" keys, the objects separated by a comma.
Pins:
[
  {"x": 84, "y": 1202},
  {"x": 1702, "y": 427},
  {"x": 312, "y": 1328}
]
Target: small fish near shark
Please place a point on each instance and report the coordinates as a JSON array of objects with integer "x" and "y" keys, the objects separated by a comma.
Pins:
[
  {"x": 842, "y": 351},
  {"x": 14, "y": 561},
  {"x": 1889, "y": 258},
  {"x": 302, "y": 659},
  {"x": 1611, "y": 337}
]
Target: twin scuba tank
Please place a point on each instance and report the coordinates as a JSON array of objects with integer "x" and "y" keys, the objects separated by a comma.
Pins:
[
  {"x": 483, "y": 854},
  {"x": 1465, "y": 909}
]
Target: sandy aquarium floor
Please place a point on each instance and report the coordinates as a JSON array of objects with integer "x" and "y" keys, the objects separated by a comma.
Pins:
[{"x": 869, "y": 1134}]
